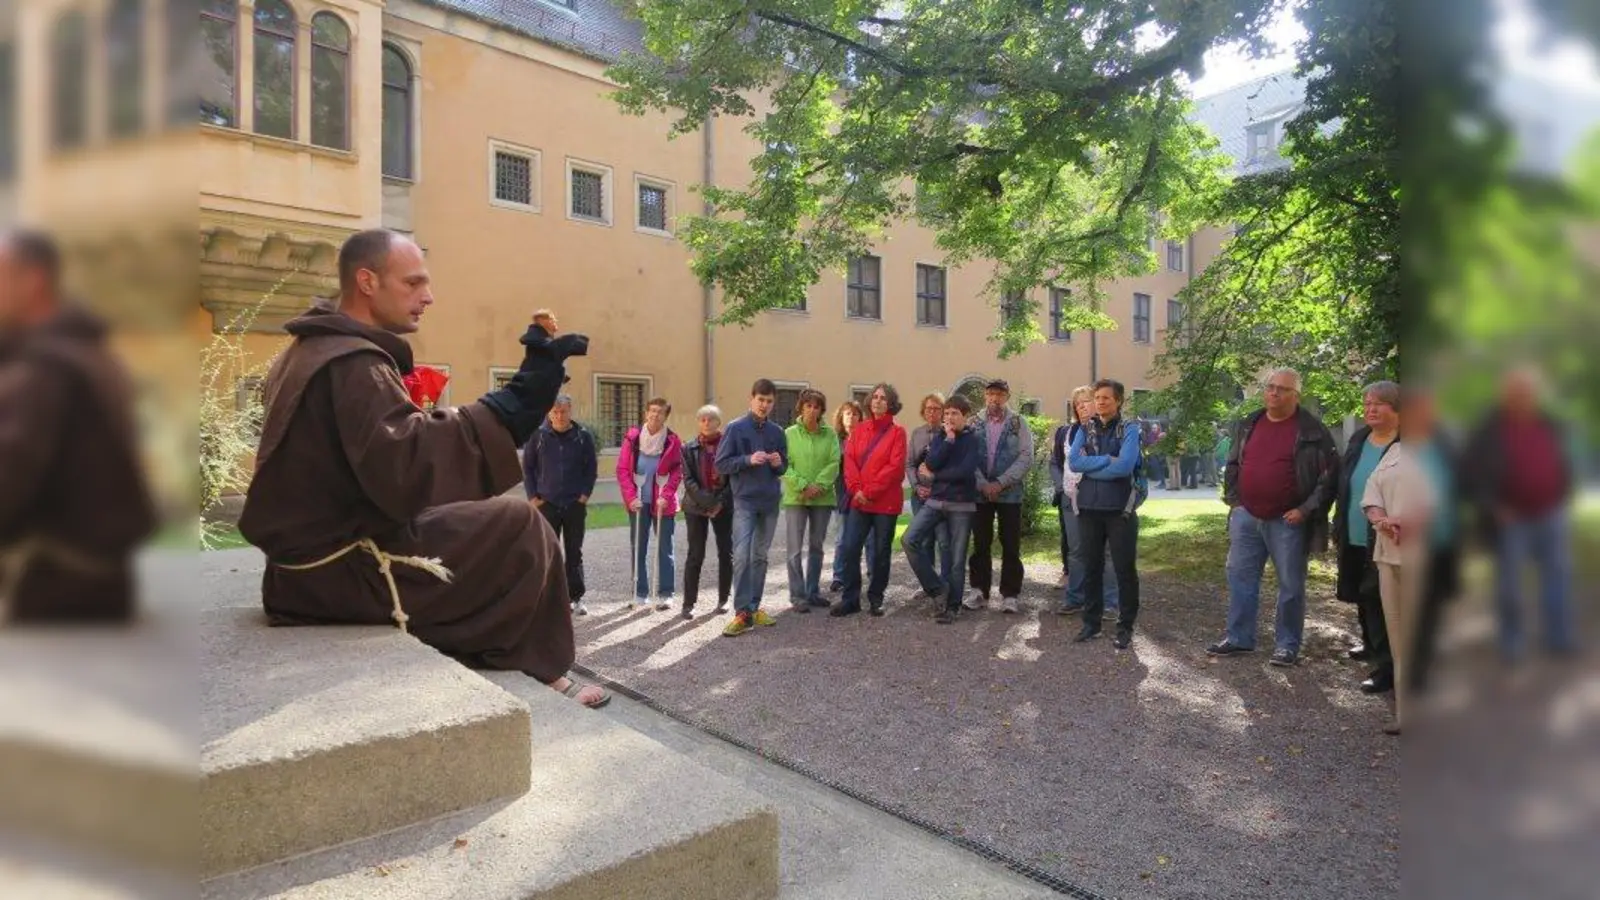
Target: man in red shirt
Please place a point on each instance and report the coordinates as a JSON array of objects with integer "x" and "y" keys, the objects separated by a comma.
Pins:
[
  {"x": 1521, "y": 477},
  {"x": 1280, "y": 479}
]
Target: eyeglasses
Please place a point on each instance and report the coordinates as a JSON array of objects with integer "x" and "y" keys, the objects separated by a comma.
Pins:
[{"x": 1280, "y": 389}]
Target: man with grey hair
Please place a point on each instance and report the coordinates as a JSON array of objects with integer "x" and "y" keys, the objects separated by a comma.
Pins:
[
  {"x": 559, "y": 469},
  {"x": 1279, "y": 481}
]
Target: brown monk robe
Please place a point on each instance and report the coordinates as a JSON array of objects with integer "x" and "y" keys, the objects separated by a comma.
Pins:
[
  {"x": 74, "y": 504},
  {"x": 345, "y": 456}
]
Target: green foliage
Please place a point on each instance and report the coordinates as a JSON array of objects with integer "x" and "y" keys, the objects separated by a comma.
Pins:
[
  {"x": 229, "y": 419},
  {"x": 1042, "y": 136},
  {"x": 1037, "y": 513}
]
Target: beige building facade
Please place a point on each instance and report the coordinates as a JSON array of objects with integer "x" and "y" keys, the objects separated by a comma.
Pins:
[{"x": 483, "y": 129}]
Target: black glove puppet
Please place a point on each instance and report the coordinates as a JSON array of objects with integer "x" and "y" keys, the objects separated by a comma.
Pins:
[{"x": 524, "y": 402}]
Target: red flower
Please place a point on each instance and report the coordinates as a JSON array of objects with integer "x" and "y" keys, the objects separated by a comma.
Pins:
[{"x": 426, "y": 386}]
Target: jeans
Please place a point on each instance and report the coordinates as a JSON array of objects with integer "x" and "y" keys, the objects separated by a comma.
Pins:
[
  {"x": 753, "y": 530},
  {"x": 1547, "y": 541},
  {"x": 666, "y": 570},
  {"x": 843, "y": 518},
  {"x": 872, "y": 535},
  {"x": 805, "y": 568},
  {"x": 1077, "y": 571},
  {"x": 1251, "y": 542},
  {"x": 949, "y": 531},
  {"x": 722, "y": 527},
  {"x": 981, "y": 564},
  {"x": 1118, "y": 533},
  {"x": 939, "y": 551},
  {"x": 568, "y": 524}
]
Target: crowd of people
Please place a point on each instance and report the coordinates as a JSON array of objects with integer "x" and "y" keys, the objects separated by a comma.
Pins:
[
  {"x": 371, "y": 509},
  {"x": 1392, "y": 513}
]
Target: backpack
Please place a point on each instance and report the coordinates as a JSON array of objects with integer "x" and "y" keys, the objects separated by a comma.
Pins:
[{"x": 1141, "y": 480}]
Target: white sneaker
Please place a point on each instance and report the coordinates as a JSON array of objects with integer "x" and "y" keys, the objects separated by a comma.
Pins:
[
  {"x": 663, "y": 603},
  {"x": 1008, "y": 604},
  {"x": 975, "y": 601},
  {"x": 578, "y": 608}
]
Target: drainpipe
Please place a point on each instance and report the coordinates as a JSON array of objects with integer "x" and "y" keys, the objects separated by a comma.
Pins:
[
  {"x": 1094, "y": 356},
  {"x": 707, "y": 298}
]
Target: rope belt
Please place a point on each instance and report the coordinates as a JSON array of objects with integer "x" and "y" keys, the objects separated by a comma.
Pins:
[
  {"x": 16, "y": 559},
  {"x": 385, "y": 560}
]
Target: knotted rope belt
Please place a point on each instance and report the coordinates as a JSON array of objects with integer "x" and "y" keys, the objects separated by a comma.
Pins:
[
  {"x": 15, "y": 560},
  {"x": 431, "y": 565}
]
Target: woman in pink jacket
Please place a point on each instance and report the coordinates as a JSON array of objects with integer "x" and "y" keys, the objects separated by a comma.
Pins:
[{"x": 649, "y": 471}]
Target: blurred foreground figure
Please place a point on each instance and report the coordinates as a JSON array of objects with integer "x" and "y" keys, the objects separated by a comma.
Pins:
[
  {"x": 370, "y": 509},
  {"x": 74, "y": 504},
  {"x": 1520, "y": 472}
]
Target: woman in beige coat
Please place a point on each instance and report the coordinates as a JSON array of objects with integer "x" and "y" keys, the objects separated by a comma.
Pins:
[{"x": 1398, "y": 501}]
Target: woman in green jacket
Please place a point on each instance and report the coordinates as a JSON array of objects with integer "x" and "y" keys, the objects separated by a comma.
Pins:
[{"x": 808, "y": 498}]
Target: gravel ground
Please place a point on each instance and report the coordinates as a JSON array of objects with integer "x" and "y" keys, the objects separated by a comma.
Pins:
[{"x": 1156, "y": 772}]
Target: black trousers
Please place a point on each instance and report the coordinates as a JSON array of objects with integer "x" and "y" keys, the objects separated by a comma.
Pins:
[
  {"x": 980, "y": 565},
  {"x": 1097, "y": 530},
  {"x": 722, "y": 528},
  {"x": 1358, "y": 584},
  {"x": 1061, "y": 520},
  {"x": 569, "y": 523}
]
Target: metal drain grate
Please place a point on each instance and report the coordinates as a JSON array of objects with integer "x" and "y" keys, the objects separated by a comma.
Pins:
[{"x": 1027, "y": 870}]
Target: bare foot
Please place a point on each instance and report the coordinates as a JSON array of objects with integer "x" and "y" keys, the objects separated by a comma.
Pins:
[{"x": 590, "y": 695}]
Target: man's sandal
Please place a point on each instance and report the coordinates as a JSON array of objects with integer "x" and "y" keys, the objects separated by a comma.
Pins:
[{"x": 574, "y": 688}]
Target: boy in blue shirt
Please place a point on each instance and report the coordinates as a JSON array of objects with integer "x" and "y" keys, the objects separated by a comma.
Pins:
[{"x": 753, "y": 456}]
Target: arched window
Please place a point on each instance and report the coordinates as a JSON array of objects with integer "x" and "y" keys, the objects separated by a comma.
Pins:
[
  {"x": 397, "y": 135},
  {"x": 274, "y": 46},
  {"x": 69, "y": 89},
  {"x": 218, "y": 84},
  {"x": 330, "y": 81},
  {"x": 125, "y": 66}
]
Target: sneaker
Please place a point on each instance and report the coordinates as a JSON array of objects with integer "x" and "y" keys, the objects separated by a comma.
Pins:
[
  {"x": 799, "y": 606},
  {"x": 722, "y": 609},
  {"x": 1284, "y": 658},
  {"x": 1008, "y": 604},
  {"x": 975, "y": 601},
  {"x": 761, "y": 618},
  {"x": 639, "y": 603},
  {"x": 578, "y": 609},
  {"x": 1086, "y": 633},
  {"x": 739, "y": 625},
  {"x": 1226, "y": 647},
  {"x": 919, "y": 595},
  {"x": 664, "y": 603},
  {"x": 817, "y": 602},
  {"x": 835, "y": 587},
  {"x": 947, "y": 615},
  {"x": 1123, "y": 639},
  {"x": 688, "y": 612},
  {"x": 1069, "y": 609},
  {"x": 876, "y": 609}
]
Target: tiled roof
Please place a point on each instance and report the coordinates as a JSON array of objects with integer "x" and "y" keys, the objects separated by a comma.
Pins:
[
  {"x": 595, "y": 28},
  {"x": 1228, "y": 114}
]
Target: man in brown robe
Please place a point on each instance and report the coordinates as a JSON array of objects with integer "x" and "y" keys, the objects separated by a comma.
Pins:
[
  {"x": 371, "y": 510},
  {"x": 74, "y": 504}
]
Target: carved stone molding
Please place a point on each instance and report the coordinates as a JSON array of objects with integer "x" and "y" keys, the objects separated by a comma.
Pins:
[{"x": 256, "y": 276}]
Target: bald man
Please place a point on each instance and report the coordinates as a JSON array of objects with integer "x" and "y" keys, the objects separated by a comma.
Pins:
[
  {"x": 74, "y": 504},
  {"x": 370, "y": 509}
]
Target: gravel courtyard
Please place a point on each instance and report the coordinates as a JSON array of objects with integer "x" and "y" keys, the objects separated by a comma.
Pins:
[{"x": 1156, "y": 772}]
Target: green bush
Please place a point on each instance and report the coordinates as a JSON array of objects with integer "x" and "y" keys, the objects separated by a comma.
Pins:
[{"x": 1037, "y": 513}]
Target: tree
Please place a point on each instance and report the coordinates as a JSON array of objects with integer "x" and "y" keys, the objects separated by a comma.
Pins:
[{"x": 1049, "y": 137}]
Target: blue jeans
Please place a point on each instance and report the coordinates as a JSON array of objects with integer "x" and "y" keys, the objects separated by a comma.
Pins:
[
  {"x": 843, "y": 518},
  {"x": 753, "y": 530},
  {"x": 667, "y": 568},
  {"x": 872, "y": 535},
  {"x": 949, "y": 531},
  {"x": 805, "y": 568},
  {"x": 1251, "y": 542},
  {"x": 1077, "y": 570},
  {"x": 1547, "y": 542},
  {"x": 939, "y": 551}
]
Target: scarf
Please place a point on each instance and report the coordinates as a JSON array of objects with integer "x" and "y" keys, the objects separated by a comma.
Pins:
[
  {"x": 652, "y": 444},
  {"x": 708, "y": 459}
]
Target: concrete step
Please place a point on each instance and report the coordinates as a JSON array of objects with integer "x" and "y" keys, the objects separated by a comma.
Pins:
[
  {"x": 313, "y": 737},
  {"x": 97, "y": 741},
  {"x": 610, "y": 814}
]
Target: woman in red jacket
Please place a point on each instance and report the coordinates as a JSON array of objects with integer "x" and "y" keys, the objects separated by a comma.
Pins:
[{"x": 874, "y": 470}]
